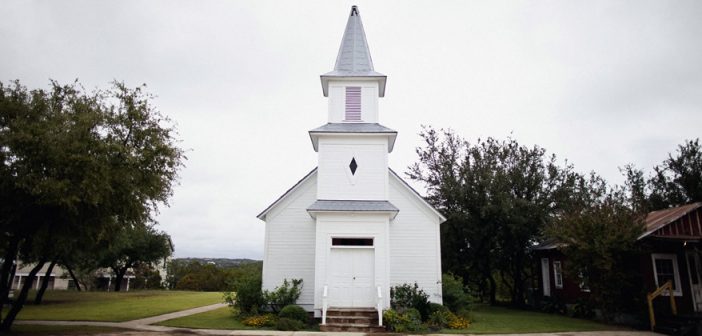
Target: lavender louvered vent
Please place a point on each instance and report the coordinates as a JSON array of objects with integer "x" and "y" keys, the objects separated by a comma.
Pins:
[{"x": 353, "y": 103}]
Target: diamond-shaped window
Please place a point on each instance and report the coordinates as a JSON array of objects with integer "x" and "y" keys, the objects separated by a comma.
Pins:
[{"x": 353, "y": 166}]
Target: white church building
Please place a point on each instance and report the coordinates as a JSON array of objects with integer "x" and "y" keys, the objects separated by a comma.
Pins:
[{"x": 352, "y": 228}]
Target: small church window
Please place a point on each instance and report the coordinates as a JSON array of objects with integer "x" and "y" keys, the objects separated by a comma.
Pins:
[
  {"x": 353, "y": 103},
  {"x": 353, "y": 166},
  {"x": 352, "y": 241}
]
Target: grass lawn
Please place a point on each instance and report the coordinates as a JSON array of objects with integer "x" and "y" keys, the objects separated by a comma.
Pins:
[
  {"x": 221, "y": 318},
  {"x": 496, "y": 320},
  {"x": 113, "y": 306}
]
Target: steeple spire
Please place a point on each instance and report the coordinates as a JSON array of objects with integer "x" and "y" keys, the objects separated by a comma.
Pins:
[{"x": 354, "y": 58}]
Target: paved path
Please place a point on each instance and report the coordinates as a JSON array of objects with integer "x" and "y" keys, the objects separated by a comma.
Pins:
[{"x": 145, "y": 327}]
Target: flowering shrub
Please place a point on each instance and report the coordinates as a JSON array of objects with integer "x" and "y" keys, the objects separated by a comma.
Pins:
[
  {"x": 409, "y": 321},
  {"x": 457, "y": 322},
  {"x": 258, "y": 321}
]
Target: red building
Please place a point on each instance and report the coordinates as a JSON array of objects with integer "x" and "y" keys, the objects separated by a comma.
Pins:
[{"x": 672, "y": 242}]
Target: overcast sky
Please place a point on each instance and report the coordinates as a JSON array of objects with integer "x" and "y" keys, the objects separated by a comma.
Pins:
[{"x": 601, "y": 83}]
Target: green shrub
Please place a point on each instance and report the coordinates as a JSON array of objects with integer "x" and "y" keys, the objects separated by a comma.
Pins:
[
  {"x": 433, "y": 307},
  {"x": 406, "y": 296},
  {"x": 283, "y": 295},
  {"x": 453, "y": 292},
  {"x": 294, "y": 312},
  {"x": 439, "y": 319},
  {"x": 287, "y": 324},
  {"x": 248, "y": 298},
  {"x": 409, "y": 321},
  {"x": 583, "y": 308}
]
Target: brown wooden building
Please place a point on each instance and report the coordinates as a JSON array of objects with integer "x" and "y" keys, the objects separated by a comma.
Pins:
[{"x": 672, "y": 242}]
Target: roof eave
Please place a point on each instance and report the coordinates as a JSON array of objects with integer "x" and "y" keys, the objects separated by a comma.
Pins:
[
  {"x": 262, "y": 215},
  {"x": 393, "y": 213},
  {"x": 380, "y": 78},
  {"x": 314, "y": 137}
]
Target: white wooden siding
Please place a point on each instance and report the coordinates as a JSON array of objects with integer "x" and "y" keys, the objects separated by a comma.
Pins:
[
  {"x": 370, "y": 182},
  {"x": 415, "y": 251},
  {"x": 289, "y": 242},
  {"x": 369, "y": 100}
]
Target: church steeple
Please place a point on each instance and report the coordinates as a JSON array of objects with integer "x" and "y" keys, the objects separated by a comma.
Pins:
[{"x": 354, "y": 59}]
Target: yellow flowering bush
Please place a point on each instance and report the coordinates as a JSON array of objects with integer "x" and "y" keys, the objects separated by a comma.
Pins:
[
  {"x": 457, "y": 322},
  {"x": 257, "y": 321}
]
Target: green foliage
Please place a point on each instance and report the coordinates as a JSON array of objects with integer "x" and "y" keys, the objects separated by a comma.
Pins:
[
  {"x": 405, "y": 297},
  {"x": 193, "y": 275},
  {"x": 552, "y": 305},
  {"x": 678, "y": 179},
  {"x": 599, "y": 233},
  {"x": 294, "y": 312},
  {"x": 131, "y": 247},
  {"x": 408, "y": 321},
  {"x": 453, "y": 292},
  {"x": 76, "y": 170},
  {"x": 497, "y": 197},
  {"x": 583, "y": 308},
  {"x": 283, "y": 295},
  {"x": 248, "y": 298},
  {"x": 289, "y": 324}
]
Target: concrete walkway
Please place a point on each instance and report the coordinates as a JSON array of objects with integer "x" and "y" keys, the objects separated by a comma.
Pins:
[{"x": 145, "y": 327}]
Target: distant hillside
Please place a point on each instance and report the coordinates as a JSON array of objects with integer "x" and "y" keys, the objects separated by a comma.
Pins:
[{"x": 219, "y": 262}]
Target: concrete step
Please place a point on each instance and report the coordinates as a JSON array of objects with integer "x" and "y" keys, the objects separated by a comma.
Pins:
[
  {"x": 351, "y": 327},
  {"x": 369, "y": 312},
  {"x": 367, "y": 320}
]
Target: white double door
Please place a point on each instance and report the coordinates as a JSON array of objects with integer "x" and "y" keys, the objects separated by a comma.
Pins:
[{"x": 351, "y": 277}]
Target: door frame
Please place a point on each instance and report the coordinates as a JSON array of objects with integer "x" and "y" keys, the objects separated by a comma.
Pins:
[{"x": 332, "y": 247}]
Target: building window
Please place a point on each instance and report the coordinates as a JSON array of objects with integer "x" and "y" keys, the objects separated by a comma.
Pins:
[
  {"x": 353, "y": 103},
  {"x": 665, "y": 268},
  {"x": 557, "y": 274},
  {"x": 352, "y": 241}
]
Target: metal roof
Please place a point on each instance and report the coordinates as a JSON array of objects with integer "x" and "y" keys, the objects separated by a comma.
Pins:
[
  {"x": 341, "y": 128},
  {"x": 656, "y": 220},
  {"x": 354, "y": 58},
  {"x": 352, "y": 205}
]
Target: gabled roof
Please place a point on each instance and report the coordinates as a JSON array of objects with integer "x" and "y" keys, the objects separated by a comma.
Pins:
[
  {"x": 345, "y": 204},
  {"x": 424, "y": 201},
  {"x": 354, "y": 58},
  {"x": 352, "y": 205},
  {"x": 262, "y": 215},
  {"x": 656, "y": 220},
  {"x": 342, "y": 128}
]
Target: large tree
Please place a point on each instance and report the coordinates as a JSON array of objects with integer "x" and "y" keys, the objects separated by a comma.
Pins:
[
  {"x": 75, "y": 168},
  {"x": 131, "y": 247},
  {"x": 497, "y": 197},
  {"x": 678, "y": 179},
  {"x": 598, "y": 232}
]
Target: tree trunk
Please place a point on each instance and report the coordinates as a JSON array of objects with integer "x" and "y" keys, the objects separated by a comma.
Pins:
[
  {"x": 119, "y": 275},
  {"x": 21, "y": 299},
  {"x": 493, "y": 290},
  {"x": 44, "y": 284},
  {"x": 73, "y": 276},
  {"x": 6, "y": 270}
]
